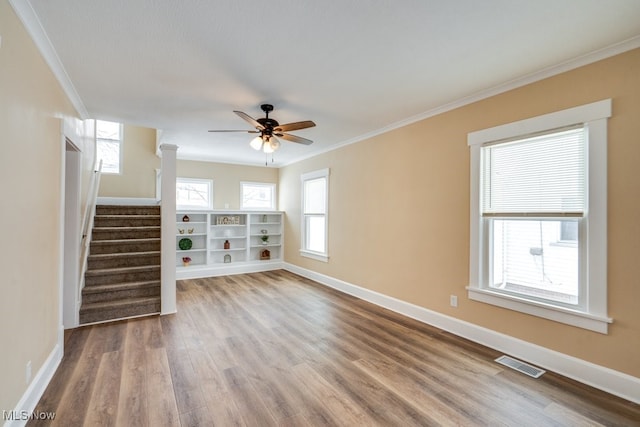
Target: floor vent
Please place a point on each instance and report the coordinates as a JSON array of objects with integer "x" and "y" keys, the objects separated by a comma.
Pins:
[{"x": 519, "y": 366}]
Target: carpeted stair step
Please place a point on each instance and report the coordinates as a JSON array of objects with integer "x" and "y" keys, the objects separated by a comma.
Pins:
[
  {"x": 124, "y": 246},
  {"x": 127, "y": 210},
  {"x": 102, "y": 311},
  {"x": 126, "y": 259},
  {"x": 120, "y": 291},
  {"x": 122, "y": 233},
  {"x": 126, "y": 221},
  {"x": 123, "y": 275},
  {"x": 106, "y": 276}
]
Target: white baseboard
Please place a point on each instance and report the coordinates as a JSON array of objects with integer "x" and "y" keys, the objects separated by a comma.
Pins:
[
  {"x": 606, "y": 379},
  {"x": 198, "y": 272},
  {"x": 25, "y": 407},
  {"x": 127, "y": 201}
]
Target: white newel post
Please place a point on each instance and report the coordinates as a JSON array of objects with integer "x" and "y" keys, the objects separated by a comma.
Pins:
[{"x": 168, "y": 218}]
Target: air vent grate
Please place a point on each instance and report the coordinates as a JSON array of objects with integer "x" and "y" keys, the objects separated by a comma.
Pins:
[{"x": 519, "y": 366}]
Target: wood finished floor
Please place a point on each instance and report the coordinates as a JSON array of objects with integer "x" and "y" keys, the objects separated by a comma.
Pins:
[{"x": 273, "y": 348}]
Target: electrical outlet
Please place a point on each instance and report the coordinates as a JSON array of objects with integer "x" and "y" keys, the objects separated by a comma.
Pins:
[
  {"x": 28, "y": 372},
  {"x": 453, "y": 301}
]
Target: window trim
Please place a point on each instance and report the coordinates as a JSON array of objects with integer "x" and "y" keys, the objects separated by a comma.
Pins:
[
  {"x": 593, "y": 316},
  {"x": 120, "y": 142},
  {"x": 319, "y": 256},
  {"x": 274, "y": 195},
  {"x": 209, "y": 182}
]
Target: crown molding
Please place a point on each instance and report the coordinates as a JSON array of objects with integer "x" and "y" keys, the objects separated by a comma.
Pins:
[
  {"x": 560, "y": 68},
  {"x": 32, "y": 24}
]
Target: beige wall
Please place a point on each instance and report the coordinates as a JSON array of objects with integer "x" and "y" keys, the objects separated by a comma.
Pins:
[
  {"x": 32, "y": 105},
  {"x": 226, "y": 179},
  {"x": 139, "y": 164},
  {"x": 399, "y": 211}
]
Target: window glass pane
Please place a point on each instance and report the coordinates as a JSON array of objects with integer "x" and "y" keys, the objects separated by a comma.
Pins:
[
  {"x": 529, "y": 259},
  {"x": 109, "y": 153},
  {"x": 258, "y": 196},
  {"x": 193, "y": 194},
  {"x": 107, "y": 130},
  {"x": 535, "y": 175},
  {"x": 315, "y": 232},
  {"x": 315, "y": 193}
]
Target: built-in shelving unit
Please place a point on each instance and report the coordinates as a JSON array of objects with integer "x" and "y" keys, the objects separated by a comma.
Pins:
[{"x": 228, "y": 242}]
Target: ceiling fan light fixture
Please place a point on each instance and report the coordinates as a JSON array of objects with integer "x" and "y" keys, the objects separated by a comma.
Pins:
[
  {"x": 256, "y": 143},
  {"x": 271, "y": 144},
  {"x": 274, "y": 144}
]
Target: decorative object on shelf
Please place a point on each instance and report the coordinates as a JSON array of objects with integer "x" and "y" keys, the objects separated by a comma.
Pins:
[
  {"x": 190, "y": 230},
  {"x": 227, "y": 258},
  {"x": 185, "y": 261},
  {"x": 265, "y": 254},
  {"x": 228, "y": 220},
  {"x": 185, "y": 244},
  {"x": 263, "y": 231},
  {"x": 265, "y": 239},
  {"x": 264, "y": 218},
  {"x": 181, "y": 230},
  {"x": 185, "y": 218},
  {"x": 227, "y": 245}
]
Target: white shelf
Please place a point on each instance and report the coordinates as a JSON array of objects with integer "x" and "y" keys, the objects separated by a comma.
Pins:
[{"x": 208, "y": 257}]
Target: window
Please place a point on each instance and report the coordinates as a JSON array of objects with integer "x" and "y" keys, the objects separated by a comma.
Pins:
[
  {"x": 257, "y": 195},
  {"x": 109, "y": 146},
  {"x": 538, "y": 216},
  {"x": 315, "y": 186},
  {"x": 192, "y": 193}
]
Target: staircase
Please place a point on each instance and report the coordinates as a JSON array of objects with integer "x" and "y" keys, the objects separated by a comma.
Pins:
[{"x": 123, "y": 272}]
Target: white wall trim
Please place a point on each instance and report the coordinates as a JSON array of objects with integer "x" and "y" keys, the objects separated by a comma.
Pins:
[
  {"x": 34, "y": 392},
  {"x": 606, "y": 379},
  {"x": 130, "y": 201},
  {"x": 32, "y": 24}
]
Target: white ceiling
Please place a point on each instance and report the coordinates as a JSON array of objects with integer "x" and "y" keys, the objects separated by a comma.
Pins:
[{"x": 354, "y": 67}]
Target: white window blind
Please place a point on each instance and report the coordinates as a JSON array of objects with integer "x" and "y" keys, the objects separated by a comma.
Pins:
[{"x": 535, "y": 176}]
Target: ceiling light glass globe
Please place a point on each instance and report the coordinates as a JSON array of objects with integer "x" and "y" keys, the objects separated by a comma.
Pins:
[{"x": 256, "y": 143}]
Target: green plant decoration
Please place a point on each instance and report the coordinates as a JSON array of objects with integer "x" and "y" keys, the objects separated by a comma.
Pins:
[{"x": 185, "y": 244}]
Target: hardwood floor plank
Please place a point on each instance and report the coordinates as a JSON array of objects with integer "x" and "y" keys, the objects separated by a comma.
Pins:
[
  {"x": 103, "y": 409},
  {"x": 223, "y": 409},
  {"x": 76, "y": 398},
  {"x": 161, "y": 398},
  {"x": 341, "y": 406},
  {"x": 132, "y": 404},
  {"x": 274, "y": 348},
  {"x": 249, "y": 402},
  {"x": 185, "y": 382}
]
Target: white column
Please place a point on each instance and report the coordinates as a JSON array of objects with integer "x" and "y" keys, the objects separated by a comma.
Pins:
[{"x": 168, "y": 214}]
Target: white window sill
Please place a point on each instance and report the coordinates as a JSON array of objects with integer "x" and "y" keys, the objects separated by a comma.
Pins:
[
  {"x": 567, "y": 316},
  {"x": 314, "y": 255}
]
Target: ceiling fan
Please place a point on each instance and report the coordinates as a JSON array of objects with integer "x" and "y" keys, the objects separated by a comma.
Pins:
[{"x": 270, "y": 130}]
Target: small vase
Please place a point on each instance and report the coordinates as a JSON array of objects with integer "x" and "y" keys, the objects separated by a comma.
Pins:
[
  {"x": 185, "y": 263},
  {"x": 227, "y": 245}
]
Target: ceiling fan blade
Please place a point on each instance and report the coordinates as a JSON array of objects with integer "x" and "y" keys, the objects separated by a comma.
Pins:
[
  {"x": 294, "y": 138},
  {"x": 253, "y": 122},
  {"x": 294, "y": 126},
  {"x": 234, "y": 130}
]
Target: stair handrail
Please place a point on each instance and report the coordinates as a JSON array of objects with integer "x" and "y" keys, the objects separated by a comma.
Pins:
[{"x": 87, "y": 225}]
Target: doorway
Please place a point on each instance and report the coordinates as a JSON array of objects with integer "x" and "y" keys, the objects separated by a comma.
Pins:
[{"x": 72, "y": 236}]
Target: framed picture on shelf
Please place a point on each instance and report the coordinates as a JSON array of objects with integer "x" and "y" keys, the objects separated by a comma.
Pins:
[{"x": 228, "y": 220}]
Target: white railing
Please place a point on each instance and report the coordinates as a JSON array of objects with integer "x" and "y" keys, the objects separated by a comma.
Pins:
[{"x": 87, "y": 225}]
